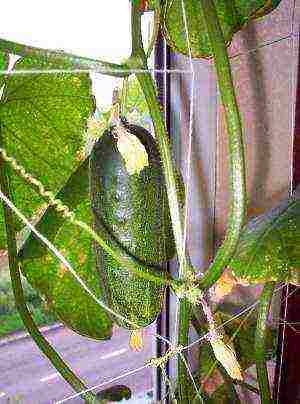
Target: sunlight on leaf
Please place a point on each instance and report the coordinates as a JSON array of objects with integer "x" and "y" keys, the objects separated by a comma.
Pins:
[
  {"x": 269, "y": 246},
  {"x": 43, "y": 117},
  {"x": 233, "y": 15},
  {"x": 66, "y": 298},
  {"x": 3, "y": 66}
]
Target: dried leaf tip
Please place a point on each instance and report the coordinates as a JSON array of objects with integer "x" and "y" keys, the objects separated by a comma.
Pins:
[
  {"x": 132, "y": 150},
  {"x": 224, "y": 286},
  {"x": 136, "y": 340},
  {"x": 225, "y": 354},
  {"x": 95, "y": 127}
]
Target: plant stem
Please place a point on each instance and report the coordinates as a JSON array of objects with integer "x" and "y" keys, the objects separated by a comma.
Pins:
[
  {"x": 147, "y": 85},
  {"x": 155, "y": 31},
  {"x": 260, "y": 343},
  {"x": 76, "y": 62},
  {"x": 236, "y": 148},
  {"x": 183, "y": 340},
  {"x": 247, "y": 386},
  {"x": 41, "y": 342},
  {"x": 233, "y": 396},
  {"x": 148, "y": 88},
  {"x": 124, "y": 96},
  {"x": 137, "y": 48}
]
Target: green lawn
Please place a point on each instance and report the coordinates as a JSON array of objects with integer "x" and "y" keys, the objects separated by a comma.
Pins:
[{"x": 10, "y": 320}]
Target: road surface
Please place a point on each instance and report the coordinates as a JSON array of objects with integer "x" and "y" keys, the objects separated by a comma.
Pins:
[{"x": 28, "y": 377}]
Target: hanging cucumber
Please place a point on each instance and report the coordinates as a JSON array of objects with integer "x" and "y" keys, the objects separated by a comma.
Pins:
[{"x": 129, "y": 199}]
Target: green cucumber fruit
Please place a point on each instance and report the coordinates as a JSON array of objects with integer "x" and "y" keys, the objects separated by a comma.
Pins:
[{"x": 134, "y": 210}]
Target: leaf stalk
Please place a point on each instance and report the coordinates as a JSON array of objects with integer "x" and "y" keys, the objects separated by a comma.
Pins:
[{"x": 260, "y": 342}]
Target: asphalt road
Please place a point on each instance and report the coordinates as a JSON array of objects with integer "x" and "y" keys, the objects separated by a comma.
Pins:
[{"x": 27, "y": 377}]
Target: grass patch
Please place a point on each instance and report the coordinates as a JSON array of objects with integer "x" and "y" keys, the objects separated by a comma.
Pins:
[{"x": 10, "y": 320}]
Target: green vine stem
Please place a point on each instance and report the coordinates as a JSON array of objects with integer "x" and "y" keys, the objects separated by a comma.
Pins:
[
  {"x": 183, "y": 340},
  {"x": 148, "y": 88},
  {"x": 34, "y": 332},
  {"x": 236, "y": 148},
  {"x": 260, "y": 342},
  {"x": 147, "y": 85},
  {"x": 76, "y": 62},
  {"x": 124, "y": 96},
  {"x": 155, "y": 31}
]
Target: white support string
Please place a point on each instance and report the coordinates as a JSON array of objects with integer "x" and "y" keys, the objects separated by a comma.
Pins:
[
  {"x": 253, "y": 305},
  {"x": 287, "y": 293},
  {"x": 91, "y": 70},
  {"x": 164, "y": 71},
  {"x": 16, "y": 166},
  {"x": 198, "y": 394},
  {"x": 132, "y": 71},
  {"x": 114, "y": 379},
  {"x": 66, "y": 263},
  {"x": 283, "y": 340}
]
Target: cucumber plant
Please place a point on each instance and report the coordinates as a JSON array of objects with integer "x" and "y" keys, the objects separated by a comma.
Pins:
[{"x": 125, "y": 247}]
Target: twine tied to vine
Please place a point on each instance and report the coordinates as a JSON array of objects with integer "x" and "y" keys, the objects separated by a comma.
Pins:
[
  {"x": 189, "y": 289},
  {"x": 162, "y": 360}
]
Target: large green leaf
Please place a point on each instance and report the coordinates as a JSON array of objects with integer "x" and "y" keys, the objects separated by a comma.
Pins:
[
  {"x": 269, "y": 248},
  {"x": 233, "y": 15},
  {"x": 74, "y": 191},
  {"x": 43, "y": 115},
  {"x": 65, "y": 296},
  {"x": 3, "y": 67}
]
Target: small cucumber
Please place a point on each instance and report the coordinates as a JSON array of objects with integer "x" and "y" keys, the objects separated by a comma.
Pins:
[{"x": 132, "y": 205}]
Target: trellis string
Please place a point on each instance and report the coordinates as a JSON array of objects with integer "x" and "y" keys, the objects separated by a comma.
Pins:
[
  {"x": 114, "y": 379},
  {"x": 77, "y": 71},
  {"x": 188, "y": 180}
]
